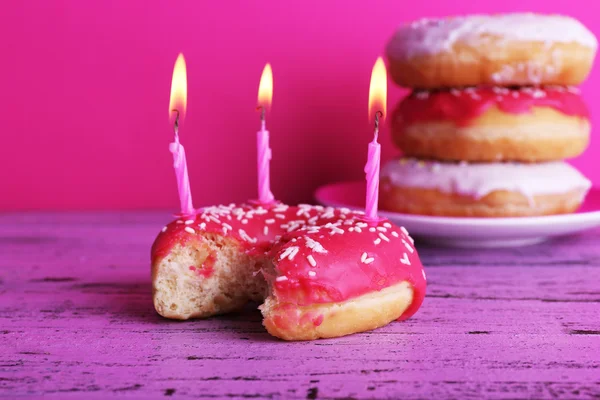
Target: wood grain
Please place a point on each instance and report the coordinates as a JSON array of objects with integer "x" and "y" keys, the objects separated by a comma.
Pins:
[{"x": 76, "y": 321}]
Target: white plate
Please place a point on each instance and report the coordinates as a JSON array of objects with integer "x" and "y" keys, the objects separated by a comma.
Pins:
[{"x": 472, "y": 232}]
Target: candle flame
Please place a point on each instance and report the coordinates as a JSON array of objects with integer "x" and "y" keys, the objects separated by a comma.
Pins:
[
  {"x": 378, "y": 91},
  {"x": 265, "y": 88},
  {"x": 178, "y": 100}
]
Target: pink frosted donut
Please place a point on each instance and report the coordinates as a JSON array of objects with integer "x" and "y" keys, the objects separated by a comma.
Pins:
[
  {"x": 485, "y": 124},
  {"x": 504, "y": 49},
  {"x": 320, "y": 272}
]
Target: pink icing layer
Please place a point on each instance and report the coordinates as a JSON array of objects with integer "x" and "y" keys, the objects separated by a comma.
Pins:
[
  {"x": 321, "y": 255},
  {"x": 462, "y": 106}
]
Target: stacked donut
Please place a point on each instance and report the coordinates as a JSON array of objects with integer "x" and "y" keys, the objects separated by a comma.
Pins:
[{"x": 493, "y": 113}]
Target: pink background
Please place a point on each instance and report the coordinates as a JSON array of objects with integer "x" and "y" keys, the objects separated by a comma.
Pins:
[{"x": 85, "y": 89}]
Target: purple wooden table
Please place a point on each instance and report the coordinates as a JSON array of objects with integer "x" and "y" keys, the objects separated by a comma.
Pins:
[{"x": 76, "y": 321}]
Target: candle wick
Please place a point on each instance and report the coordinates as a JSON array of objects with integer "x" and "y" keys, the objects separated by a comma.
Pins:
[
  {"x": 262, "y": 113},
  {"x": 378, "y": 115},
  {"x": 176, "y": 123}
]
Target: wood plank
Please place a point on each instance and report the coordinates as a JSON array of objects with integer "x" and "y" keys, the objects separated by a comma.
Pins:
[{"x": 76, "y": 321}]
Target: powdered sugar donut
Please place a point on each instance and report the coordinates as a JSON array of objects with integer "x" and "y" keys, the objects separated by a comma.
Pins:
[
  {"x": 492, "y": 124},
  {"x": 481, "y": 189},
  {"x": 321, "y": 272},
  {"x": 504, "y": 49}
]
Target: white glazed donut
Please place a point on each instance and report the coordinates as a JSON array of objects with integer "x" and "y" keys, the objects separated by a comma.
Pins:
[
  {"x": 503, "y": 49},
  {"x": 481, "y": 190}
]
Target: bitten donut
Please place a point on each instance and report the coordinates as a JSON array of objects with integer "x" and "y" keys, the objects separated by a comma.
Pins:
[
  {"x": 492, "y": 124},
  {"x": 321, "y": 272},
  {"x": 503, "y": 49},
  {"x": 481, "y": 190}
]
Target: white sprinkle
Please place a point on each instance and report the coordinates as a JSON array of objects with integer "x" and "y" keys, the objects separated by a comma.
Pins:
[
  {"x": 203, "y": 225},
  {"x": 405, "y": 260},
  {"x": 293, "y": 227},
  {"x": 315, "y": 246},
  {"x": 351, "y": 229},
  {"x": 327, "y": 215},
  {"x": 303, "y": 211},
  {"x": 345, "y": 210},
  {"x": 226, "y": 225},
  {"x": 361, "y": 225},
  {"x": 280, "y": 216},
  {"x": 295, "y": 250},
  {"x": 387, "y": 224},
  {"x": 363, "y": 257},
  {"x": 266, "y": 230},
  {"x": 244, "y": 221},
  {"x": 357, "y": 229},
  {"x": 246, "y": 237},
  {"x": 225, "y": 231},
  {"x": 395, "y": 234},
  {"x": 403, "y": 229},
  {"x": 189, "y": 230},
  {"x": 285, "y": 253},
  {"x": 407, "y": 246},
  {"x": 411, "y": 240},
  {"x": 335, "y": 229},
  {"x": 381, "y": 229},
  {"x": 371, "y": 229},
  {"x": 313, "y": 220},
  {"x": 270, "y": 221},
  {"x": 214, "y": 219},
  {"x": 312, "y": 273},
  {"x": 383, "y": 237},
  {"x": 369, "y": 260},
  {"x": 189, "y": 222},
  {"x": 424, "y": 277},
  {"x": 164, "y": 229},
  {"x": 179, "y": 221},
  {"x": 348, "y": 222},
  {"x": 319, "y": 208},
  {"x": 377, "y": 241},
  {"x": 281, "y": 208},
  {"x": 311, "y": 260},
  {"x": 260, "y": 211},
  {"x": 281, "y": 278},
  {"x": 290, "y": 253}
]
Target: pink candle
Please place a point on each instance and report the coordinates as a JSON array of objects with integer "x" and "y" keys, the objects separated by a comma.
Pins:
[
  {"x": 377, "y": 108},
  {"x": 263, "y": 164},
  {"x": 183, "y": 180},
  {"x": 263, "y": 151},
  {"x": 177, "y": 106},
  {"x": 372, "y": 176}
]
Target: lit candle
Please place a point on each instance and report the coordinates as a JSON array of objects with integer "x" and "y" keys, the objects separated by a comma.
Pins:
[
  {"x": 377, "y": 109},
  {"x": 265, "y": 95},
  {"x": 177, "y": 106}
]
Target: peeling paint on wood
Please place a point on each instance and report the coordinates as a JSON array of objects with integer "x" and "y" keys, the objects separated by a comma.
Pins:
[{"x": 76, "y": 321}]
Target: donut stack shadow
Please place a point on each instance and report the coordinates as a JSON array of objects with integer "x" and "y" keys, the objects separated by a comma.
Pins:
[{"x": 493, "y": 113}]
